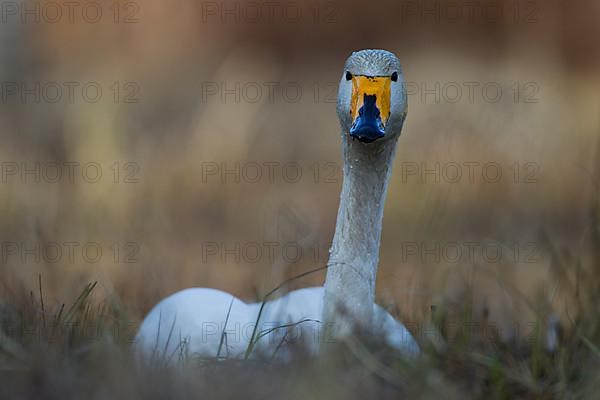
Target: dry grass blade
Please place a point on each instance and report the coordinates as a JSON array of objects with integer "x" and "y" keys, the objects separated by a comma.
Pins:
[
  {"x": 71, "y": 313},
  {"x": 253, "y": 338}
]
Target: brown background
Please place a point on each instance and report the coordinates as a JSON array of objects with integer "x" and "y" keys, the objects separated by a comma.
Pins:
[{"x": 171, "y": 213}]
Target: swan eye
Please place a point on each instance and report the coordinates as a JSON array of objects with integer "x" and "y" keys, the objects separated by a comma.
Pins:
[
  {"x": 348, "y": 75},
  {"x": 395, "y": 77}
]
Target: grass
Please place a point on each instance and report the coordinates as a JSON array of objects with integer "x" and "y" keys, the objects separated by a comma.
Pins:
[
  {"x": 50, "y": 351},
  {"x": 55, "y": 351}
]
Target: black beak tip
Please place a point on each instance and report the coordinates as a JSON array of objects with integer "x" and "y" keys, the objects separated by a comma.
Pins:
[{"x": 366, "y": 134}]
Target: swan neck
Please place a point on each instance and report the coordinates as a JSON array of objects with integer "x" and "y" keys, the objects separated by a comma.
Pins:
[{"x": 354, "y": 256}]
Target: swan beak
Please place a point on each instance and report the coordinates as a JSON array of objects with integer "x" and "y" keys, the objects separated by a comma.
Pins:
[{"x": 370, "y": 107}]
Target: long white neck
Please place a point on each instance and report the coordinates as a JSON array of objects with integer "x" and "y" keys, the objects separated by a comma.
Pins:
[{"x": 352, "y": 267}]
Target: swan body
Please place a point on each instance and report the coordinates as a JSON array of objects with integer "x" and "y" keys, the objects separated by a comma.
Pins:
[
  {"x": 175, "y": 329},
  {"x": 371, "y": 107}
]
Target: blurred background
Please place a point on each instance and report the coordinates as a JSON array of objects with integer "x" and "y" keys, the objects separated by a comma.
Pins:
[{"x": 154, "y": 146}]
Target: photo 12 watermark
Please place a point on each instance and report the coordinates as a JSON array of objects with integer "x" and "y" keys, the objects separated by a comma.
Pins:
[
  {"x": 270, "y": 12},
  {"x": 53, "y": 172},
  {"x": 455, "y": 252},
  {"x": 69, "y": 92},
  {"x": 472, "y": 92},
  {"x": 470, "y": 12},
  {"x": 69, "y": 252},
  {"x": 470, "y": 332},
  {"x": 527, "y": 172},
  {"x": 265, "y": 252},
  {"x": 270, "y": 172},
  {"x": 50, "y": 332},
  {"x": 54, "y": 12}
]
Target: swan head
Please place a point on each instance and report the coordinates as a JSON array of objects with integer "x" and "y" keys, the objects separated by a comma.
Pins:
[{"x": 372, "y": 97}]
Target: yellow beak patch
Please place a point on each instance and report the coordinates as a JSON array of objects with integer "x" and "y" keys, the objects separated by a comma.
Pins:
[{"x": 371, "y": 85}]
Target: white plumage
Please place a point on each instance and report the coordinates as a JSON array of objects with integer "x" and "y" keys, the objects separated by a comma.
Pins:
[{"x": 191, "y": 323}]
